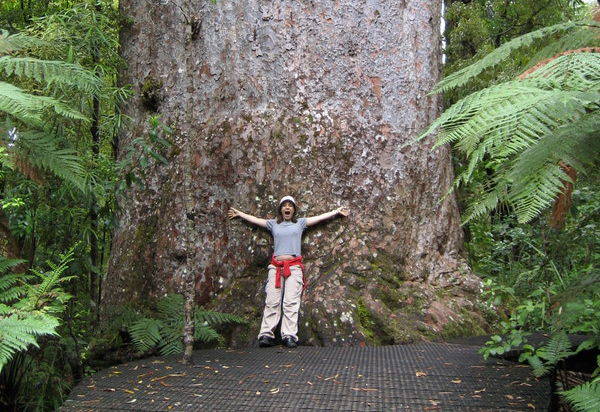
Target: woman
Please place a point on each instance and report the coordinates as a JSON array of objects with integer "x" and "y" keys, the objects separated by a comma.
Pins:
[{"x": 285, "y": 269}]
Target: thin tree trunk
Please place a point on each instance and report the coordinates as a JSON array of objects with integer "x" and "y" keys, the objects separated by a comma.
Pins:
[{"x": 93, "y": 214}]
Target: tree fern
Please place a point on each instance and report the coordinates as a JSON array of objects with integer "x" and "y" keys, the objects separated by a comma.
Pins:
[
  {"x": 526, "y": 128},
  {"x": 166, "y": 331},
  {"x": 463, "y": 76},
  {"x": 38, "y": 118},
  {"x": 41, "y": 150},
  {"x": 52, "y": 73},
  {"x": 575, "y": 39},
  {"x": 585, "y": 397}
]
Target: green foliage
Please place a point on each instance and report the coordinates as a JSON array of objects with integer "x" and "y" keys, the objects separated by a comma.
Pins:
[
  {"x": 30, "y": 310},
  {"x": 522, "y": 129},
  {"x": 165, "y": 332},
  {"x": 463, "y": 76},
  {"x": 144, "y": 152},
  {"x": 585, "y": 397}
]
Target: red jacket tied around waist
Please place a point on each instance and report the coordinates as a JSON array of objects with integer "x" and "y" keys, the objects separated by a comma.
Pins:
[{"x": 283, "y": 268}]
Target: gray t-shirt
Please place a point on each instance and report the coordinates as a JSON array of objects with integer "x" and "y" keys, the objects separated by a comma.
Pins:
[{"x": 287, "y": 236}]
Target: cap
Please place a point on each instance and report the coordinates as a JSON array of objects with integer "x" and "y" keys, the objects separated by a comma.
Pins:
[{"x": 287, "y": 199}]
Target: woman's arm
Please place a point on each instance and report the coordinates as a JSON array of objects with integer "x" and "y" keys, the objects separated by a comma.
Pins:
[
  {"x": 343, "y": 211},
  {"x": 233, "y": 213}
]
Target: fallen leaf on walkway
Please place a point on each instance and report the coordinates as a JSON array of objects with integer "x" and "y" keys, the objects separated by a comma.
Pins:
[
  {"x": 225, "y": 367},
  {"x": 109, "y": 390},
  {"x": 158, "y": 361},
  {"x": 480, "y": 390},
  {"x": 258, "y": 392},
  {"x": 198, "y": 395},
  {"x": 509, "y": 397},
  {"x": 131, "y": 401},
  {"x": 274, "y": 390},
  {"x": 309, "y": 382},
  {"x": 266, "y": 366},
  {"x": 288, "y": 366},
  {"x": 434, "y": 402},
  {"x": 531, "y": 406},
  {"x": 475, "y": 396},
  {"x": 164, "y": 384},
  {"x": 332, "y": 377},
  {"x": 419, "y": 374},
  {"x": 168, "y": 367},
  {"x": 116, "y": 372},
  {"x": 456, "y": 381},
  {"x": 128, "y": 391},
  {"x": 171, "y": 375}
]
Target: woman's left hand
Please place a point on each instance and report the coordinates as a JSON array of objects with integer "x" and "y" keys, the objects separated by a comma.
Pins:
[{"x": 343, "y": 211}]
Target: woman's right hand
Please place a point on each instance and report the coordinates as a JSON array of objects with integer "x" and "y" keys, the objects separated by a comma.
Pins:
[{"x": 233, "y": 213}]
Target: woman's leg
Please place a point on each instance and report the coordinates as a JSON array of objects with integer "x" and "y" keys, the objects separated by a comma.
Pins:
[
  {"x": 272, "y": 311},
  {"x": 291, "y": 303}
]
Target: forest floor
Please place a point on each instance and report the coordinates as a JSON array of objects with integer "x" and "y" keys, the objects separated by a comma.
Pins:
[{"x": 422, "y": 376}]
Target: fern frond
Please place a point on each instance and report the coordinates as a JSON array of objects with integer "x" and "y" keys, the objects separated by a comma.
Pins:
[
  {"x": 7, "y": 263},
  {"x": 556, "y": 349},
  {"x": 485, "y": 204},
  {"x": 30, "y": 108},
  {"x": 171, "y": 306},
  {"x": 166, "y": 333},
  {"x": 536, "y": 173},
  {"x": 146, "y": 333},
  {"x": 464, "y": 75},
  {"x": 576, "y": 39},
  {"x": 585, "y": 397},
  {"x": 573, "y": 71},
  {"x": 206, "y": 334},
  {"x": 215, "y": 318},
  {"x": 172, "y": 339},
  {"x": 17, "y": 333},
  {"x": 41, "y": 150},
  {"x": 52, "y": 73},
  {"x": 539, "y": 368},
  {"x": 14, "y": 42},
  {"x": 11, "y": 287}
]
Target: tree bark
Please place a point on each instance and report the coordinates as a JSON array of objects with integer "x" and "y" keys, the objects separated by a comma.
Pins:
[{"x": 311, "y": 99}]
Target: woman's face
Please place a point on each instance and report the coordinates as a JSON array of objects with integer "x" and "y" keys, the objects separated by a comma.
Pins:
[{"x": 287, "y": 211}]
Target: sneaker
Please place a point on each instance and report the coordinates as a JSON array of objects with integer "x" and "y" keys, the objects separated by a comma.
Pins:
[
  {"x": 289, "y": 342},
  {"x": 265, "y": 341}
]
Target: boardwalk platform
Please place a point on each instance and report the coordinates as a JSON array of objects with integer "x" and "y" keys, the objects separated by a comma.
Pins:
[{"x": 424, "y": 376}]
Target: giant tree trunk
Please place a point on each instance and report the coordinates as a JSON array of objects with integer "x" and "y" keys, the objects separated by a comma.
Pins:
[{"x": 307, "y": 98}]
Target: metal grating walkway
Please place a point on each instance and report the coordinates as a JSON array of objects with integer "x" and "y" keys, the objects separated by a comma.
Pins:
[{"x": 424, "y": 376}]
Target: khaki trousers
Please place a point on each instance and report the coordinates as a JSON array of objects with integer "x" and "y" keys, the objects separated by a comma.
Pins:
[{"x": 291, "y": 289}]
